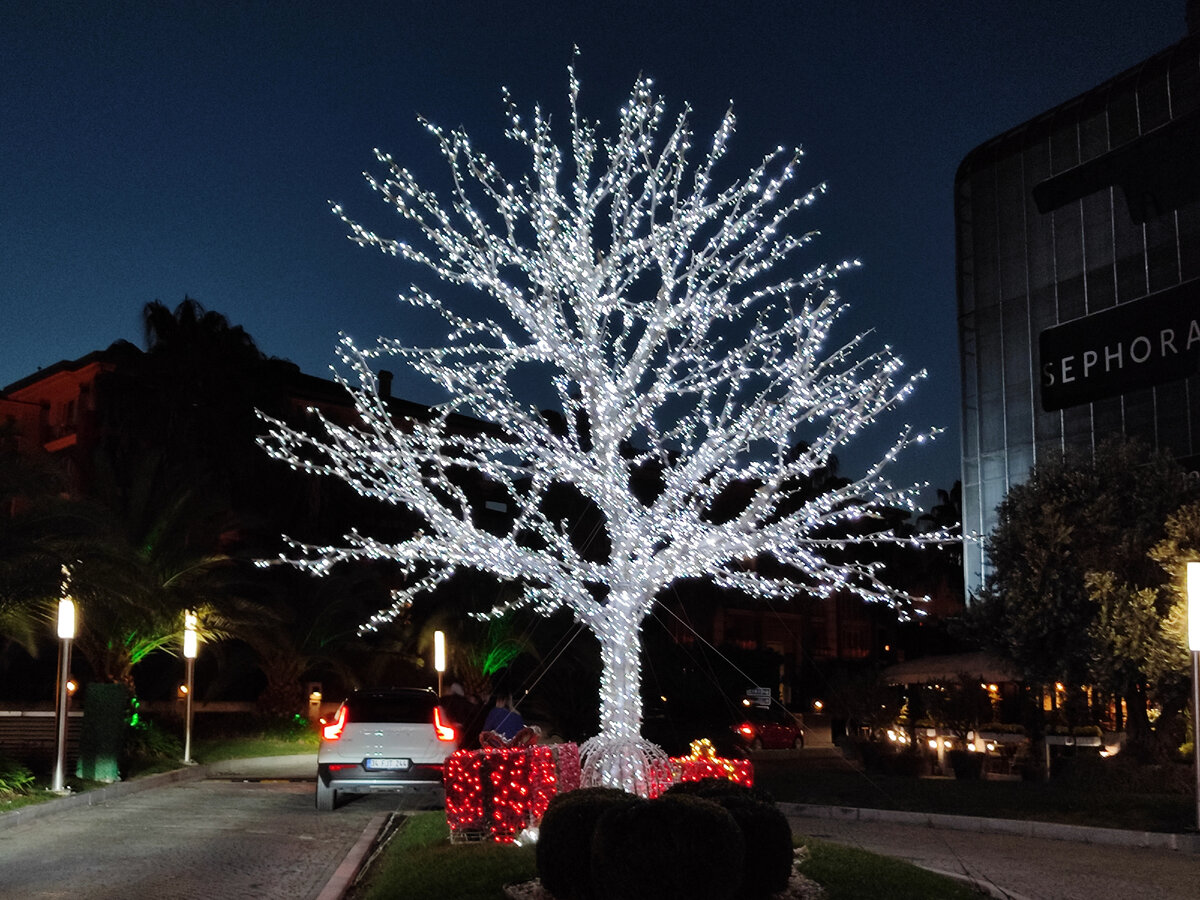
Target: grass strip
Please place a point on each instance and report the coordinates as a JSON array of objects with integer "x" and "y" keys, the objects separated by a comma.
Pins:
[
  {"x": 847, "y": 873},
  {"x": 419, "y": 863}
]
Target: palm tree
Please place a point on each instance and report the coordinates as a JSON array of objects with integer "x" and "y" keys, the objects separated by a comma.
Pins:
[
  {"x": 300, "y": 629},
  {"x": 140, "y": 554}
]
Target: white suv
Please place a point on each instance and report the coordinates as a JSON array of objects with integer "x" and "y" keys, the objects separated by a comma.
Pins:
[{"x": 390, "y": 739}]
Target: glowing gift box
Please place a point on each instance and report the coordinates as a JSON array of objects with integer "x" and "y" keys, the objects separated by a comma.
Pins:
[
  {"x": 704, "y": 763},
  {"x": 497, "y": 792}
]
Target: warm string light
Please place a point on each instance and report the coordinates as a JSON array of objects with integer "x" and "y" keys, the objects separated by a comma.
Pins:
[
  {"x": 679, "y": 340},
  {"x": 499, "y": 793},
  {"x": 703, "y": 763}
]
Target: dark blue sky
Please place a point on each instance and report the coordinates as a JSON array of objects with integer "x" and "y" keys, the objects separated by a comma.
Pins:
[{"x": 150, "y": 150}]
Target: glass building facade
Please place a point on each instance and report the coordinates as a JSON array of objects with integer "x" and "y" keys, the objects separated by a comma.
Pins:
[{"x": 1060, "y": 221}]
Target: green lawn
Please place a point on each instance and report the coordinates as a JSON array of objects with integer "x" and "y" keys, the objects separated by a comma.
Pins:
[{"x": 420, "y": 863}]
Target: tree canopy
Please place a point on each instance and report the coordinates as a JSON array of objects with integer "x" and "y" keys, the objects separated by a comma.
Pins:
[{"x": 1078, "y": 592}]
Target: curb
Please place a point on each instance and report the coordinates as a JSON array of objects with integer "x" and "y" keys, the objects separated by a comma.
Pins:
[
  {"x": 977, "y": 884},
  {"x": 343, "y": 877},
  {"x": 95, "y": 797},
  {"x": 1083, "y": 834}
]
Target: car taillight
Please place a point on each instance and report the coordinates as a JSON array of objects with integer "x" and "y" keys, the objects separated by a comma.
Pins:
[
  {"x": 444, "y": 732},
  {"x": 745, "y": 730},
  {"x": 333, "y": 730}
]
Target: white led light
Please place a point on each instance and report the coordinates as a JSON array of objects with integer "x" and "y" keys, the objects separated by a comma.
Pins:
[{"x": 680, "y": 340}]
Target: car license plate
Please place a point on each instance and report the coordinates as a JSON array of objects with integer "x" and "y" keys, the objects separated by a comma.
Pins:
[{"x": 387, "y": 763}]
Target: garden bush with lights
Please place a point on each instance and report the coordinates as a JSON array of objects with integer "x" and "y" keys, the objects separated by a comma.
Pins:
[{"x": 706, "y": 840}]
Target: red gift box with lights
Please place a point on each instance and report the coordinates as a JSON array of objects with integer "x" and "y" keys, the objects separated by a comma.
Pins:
[
  {"x": 704, "y": 763},
  {"x": 495, "y": 793}
]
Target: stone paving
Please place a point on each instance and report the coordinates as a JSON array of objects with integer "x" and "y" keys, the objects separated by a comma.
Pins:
[
  {"x": 1018, "y": 867},
  {"x": 202, "y": 838}
]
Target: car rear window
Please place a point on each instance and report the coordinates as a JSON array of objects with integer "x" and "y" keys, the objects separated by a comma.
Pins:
[{"x": 414, "y": 707}]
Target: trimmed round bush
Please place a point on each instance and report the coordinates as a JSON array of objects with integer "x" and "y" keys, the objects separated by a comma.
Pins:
[
  {"x": 767, "y": 865},
  {"x": 677, "y": 847},
  {"x": 765, "y": 830},
  {"x": 564, "y": 847},
  {"x": 708, "y": 788}
]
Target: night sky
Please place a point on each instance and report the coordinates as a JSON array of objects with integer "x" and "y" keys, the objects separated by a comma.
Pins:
[{"x": 154, "y": 150}]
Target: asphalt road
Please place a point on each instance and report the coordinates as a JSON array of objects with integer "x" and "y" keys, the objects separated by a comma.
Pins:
[{"x": 243, "y": 835}]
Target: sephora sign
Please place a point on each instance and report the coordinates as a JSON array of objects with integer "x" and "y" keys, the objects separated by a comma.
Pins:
[{"x": 1133, "y": 345}]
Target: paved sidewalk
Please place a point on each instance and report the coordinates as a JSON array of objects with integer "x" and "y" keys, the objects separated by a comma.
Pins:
[{"x": 1018, "y": 860}]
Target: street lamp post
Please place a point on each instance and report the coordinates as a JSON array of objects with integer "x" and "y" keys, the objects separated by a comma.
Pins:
[
  {"x": 190, "y": 646},
  {"x": 66, "y": 633},
  {"x": 439, "y": 656},
  {"x": 1193, "y": 592}
]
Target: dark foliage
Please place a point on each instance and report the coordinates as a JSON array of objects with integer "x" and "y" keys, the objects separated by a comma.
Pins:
[
  {"x": 767, "y": 864},
  {"x": 671, "y": 848},
  {"x": 564, "y": 847}
]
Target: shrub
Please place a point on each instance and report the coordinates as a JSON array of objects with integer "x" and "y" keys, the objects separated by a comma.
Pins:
[
  {"x": 909, "y": 762},
  {"x": 286, "y": 727},
  {"x": 889, "y": 760},
  {"x": 966, "y": 764},
  {"x": 767, "y": 837},
  {"x": 1124, "y": 775},
  {"x": 146, "y": 741},
  {"x": 709, "y": 788},
  {"x": 564, "y": 847},
  {"x": 672, "y": 847},
  {"x": 15, "y": 777}
]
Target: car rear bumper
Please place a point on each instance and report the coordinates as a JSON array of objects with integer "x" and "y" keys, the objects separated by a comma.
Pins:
[{"x": 356, "y": 779}]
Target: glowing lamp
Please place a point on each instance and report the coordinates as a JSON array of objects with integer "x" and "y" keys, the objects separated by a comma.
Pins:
[
  {"x": 190, "y": 647},
  {"x": 190, "y": 643},
  {"x": 66, "y": 633},
  {"x": 66, "y": 618}
]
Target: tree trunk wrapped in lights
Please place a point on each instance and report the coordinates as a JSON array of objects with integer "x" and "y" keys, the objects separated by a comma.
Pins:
[{"x": 657, "y": 308}]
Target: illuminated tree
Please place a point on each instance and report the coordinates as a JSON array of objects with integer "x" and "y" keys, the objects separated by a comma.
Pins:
[{"x": 685, "y": 362}]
